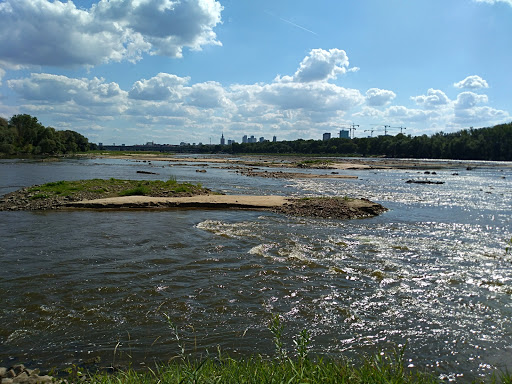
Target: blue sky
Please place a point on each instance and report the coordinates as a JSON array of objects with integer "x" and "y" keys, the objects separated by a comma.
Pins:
[{"x": 132, "y": 71}]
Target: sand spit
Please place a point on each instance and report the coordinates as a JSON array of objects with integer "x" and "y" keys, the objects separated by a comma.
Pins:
[
  {"x": 200, "y": 201},
  {"x": 322, "y": 207}
]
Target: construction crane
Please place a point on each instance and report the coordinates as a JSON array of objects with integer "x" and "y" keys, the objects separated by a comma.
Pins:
[
  {"x": 371, "y": 131},
  {"x": 351, "y": 128},
  {"x": 385, "y": 127},
  {"x": 400, "y": 128}
]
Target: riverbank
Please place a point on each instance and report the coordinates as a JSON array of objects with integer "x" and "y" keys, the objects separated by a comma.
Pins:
[
  {"x": 304, "y": 162},
  {"x": 223, "y": 369}
]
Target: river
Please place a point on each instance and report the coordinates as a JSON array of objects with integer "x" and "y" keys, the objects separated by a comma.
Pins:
[{"x": 431, "y": 273}]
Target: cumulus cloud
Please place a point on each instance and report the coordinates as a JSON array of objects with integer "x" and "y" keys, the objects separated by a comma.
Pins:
[
  {"x": 167, "y": 105},
  {"x": 466, "y": 100},
  {"x": 163, "y": 86},
  {"x": 472, "y": 82},
  {"x": 369, "y": 112},
  {"x": 322, "y": 65},
  {"x": 43, "y": 32},
  {"x": 209, "y": 95},
  {"x": 309, "y": 96},
  {"x": 376, "y": 97},
  {"x": 509, "y": 2},
  {"x": 433, "y": 99},
  {"x": 480, "y": 115},
  {"x": 401, "y": 113},
  {"x": 69, "y": 96}
]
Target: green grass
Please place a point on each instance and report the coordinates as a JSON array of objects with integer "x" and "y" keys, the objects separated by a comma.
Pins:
[
  {"x": 287, "y": 367},
  {"x": 258, "y": 370},
  {"x": 113, "y": 187},
  {"x": 139, "y": 190}
]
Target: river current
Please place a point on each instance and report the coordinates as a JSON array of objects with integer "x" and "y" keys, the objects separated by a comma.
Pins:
[{"x": 431, "y": 273}]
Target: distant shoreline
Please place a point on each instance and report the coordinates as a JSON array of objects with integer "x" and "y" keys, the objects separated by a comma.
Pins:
[{"x": 304, "y": 162}]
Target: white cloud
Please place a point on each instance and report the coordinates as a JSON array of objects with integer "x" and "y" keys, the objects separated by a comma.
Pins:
[
  {"x": 209, "y": 95},
  {"x": 308, "y": 96},
  {"x": 43, "y": 32},
  {"x": 369, "y": 112},
  {"x": 400, "y": 113},
  {"x": 433, "y": 99},
  {"x": 466, "y": 100},
  {"x": 163, "y": 86},
  {"x": 322, "y": 65},
  {"x": 509, "y": 2},
  {"x": 167, "y": 105},
  {"x": 480, "y": 115},
  {"x": 472, "y": 82},
  {"x": 376, "y": 97},
  {"x": 70, "y": 97}
]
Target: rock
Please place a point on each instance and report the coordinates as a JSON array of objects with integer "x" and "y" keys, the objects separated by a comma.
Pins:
[
  {"x": 19, "y": 374},
  {"x": 33, "y": 372},
  {"x": 21, "y": 378},
  {"x": 147, "y": 172},
  {"x": 424, "y": 182}
]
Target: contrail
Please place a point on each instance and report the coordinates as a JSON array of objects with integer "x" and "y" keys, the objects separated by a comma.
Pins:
[
  {"x": 291, "y": 23},
  {"x": 298, "y": 26}
]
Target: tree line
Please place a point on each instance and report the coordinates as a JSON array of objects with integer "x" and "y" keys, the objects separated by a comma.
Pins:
[
  {"x": 493, "y": 143},
  {"x": 23, "y": 134}
]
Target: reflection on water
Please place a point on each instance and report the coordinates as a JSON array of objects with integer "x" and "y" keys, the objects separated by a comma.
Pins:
[{"x": 431, "y": 272}]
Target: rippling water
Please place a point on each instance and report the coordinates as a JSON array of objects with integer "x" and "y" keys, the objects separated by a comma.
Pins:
[{"x": 431, "y": 273}]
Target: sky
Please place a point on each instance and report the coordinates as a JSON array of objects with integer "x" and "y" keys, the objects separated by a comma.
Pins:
[{"x": 171, "y": 71}]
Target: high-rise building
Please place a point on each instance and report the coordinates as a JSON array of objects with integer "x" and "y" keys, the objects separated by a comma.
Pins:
[
  {"x": 344, "y": 134},
  {"x": 222, "y": 140},
  {"x": 326, "y": 136},
  {"x": 274, "y": 139},
  {"x": 262, "y": 139},
  {"x": 244, "y": 139},
  {"x": 252, "y": 139}
]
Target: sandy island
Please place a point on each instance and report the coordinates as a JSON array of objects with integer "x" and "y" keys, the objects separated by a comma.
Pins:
[{"x": 324, "y": 207}]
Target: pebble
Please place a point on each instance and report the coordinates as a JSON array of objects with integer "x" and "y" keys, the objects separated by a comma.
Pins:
[{"x": 19, "y": 374}]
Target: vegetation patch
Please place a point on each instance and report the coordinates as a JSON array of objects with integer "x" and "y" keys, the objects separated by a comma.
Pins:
[
  {"x": 55, "y": 194},
  {"x": 291, "y": 366}
]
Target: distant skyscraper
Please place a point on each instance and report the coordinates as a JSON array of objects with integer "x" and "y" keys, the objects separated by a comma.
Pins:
[
  {"x": 262, "y": 139},
  {"x": 344, "y": 134},
  {"x": 252, "y": 139},
  {"x": 274, "y": 139},
  {"x": 326, "y": 136},
  {"x": 244, "y": 139},
  {"x": 222, "y": 140}
]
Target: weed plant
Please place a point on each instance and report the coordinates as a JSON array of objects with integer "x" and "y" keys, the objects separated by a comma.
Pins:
[{"x": 296, "y": 366}]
